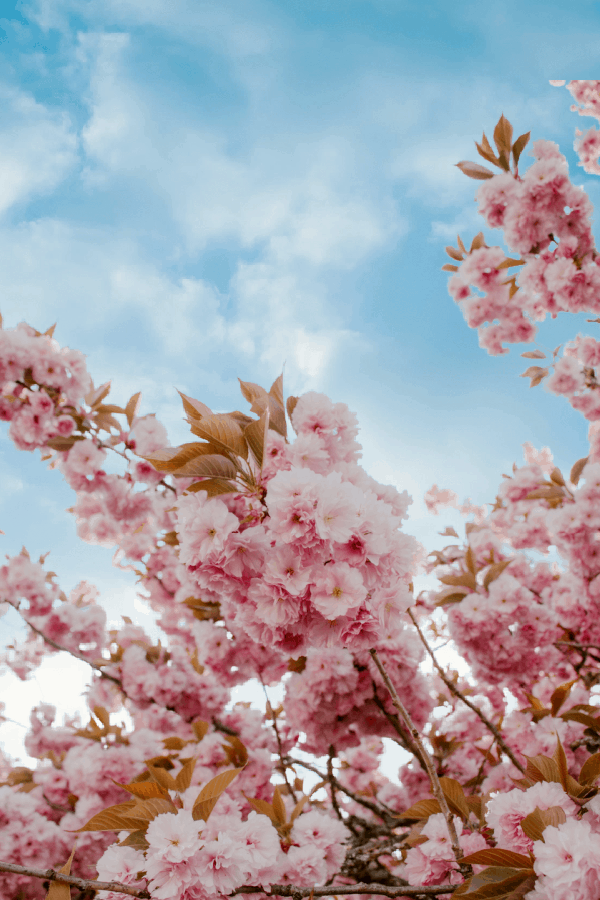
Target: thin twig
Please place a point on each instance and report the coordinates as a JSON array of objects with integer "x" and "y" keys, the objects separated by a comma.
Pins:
[
  {"x": 433, "y": 776},
  {"x": 331, "y": 780},
  {"x": 457, "y": 693},
  {"x": 337, "y": 890},
  {"x": 404, "y": 737},
  {"x": 279, "y": 746},
  {"x": 73, "y": 653},
  {"x": 388, "y": 818},
  {"x": 81, "y": 883}
]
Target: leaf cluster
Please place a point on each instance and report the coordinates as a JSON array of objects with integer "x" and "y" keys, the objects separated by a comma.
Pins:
[
  {"x": 277, "y": 813},
  {"x": 503, "y": 133},
  {"x": 230, "y": 453},
  {"x": 151, "y": 795}
]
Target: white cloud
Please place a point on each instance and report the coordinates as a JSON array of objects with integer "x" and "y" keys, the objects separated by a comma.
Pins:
[{"x": 38, "y": 147}]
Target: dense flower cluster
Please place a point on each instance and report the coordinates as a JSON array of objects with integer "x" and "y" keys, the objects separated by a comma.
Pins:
[
  {"x": 280, "y": 561},
  {"x": 326, "y": 565}
]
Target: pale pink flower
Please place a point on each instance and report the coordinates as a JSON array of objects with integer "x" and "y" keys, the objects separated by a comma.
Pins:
[{"x": 338, "y": 589}]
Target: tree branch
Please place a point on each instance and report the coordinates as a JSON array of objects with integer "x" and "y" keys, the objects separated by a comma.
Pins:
[
  {"x": 81, "y": 883},
  {"x": 97, "y": 668},
  {"x": 457, "y": 693},
  {"x": 433, "y": 776},
  {"x": 337, "y": 890},
  {"x": 390, "y": 819}
]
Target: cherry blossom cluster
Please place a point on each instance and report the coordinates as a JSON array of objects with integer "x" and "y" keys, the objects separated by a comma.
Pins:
[
  {"x": 325, "y": 564},
  {"x": 280, "y": 561}
]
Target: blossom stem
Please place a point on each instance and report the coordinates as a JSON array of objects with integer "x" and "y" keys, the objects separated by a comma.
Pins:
[
  {"x": 81, "y": 883},
  {"x": 457, "y": 693},
  {"x": 431, "y": 771}
]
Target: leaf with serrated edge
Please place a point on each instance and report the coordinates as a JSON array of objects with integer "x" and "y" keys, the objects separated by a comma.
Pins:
[
  {"x": 590, "y": 770},
  {"x": 213, "y": 487},
  {"x": 534, "y": 824},
  {"x": 498, "y": 883},
  {"x": 582, "y": 718},
  {"x": 422, "y": 809},
  {"x": 534, "y": 354},
  {"x": 276, "y": 390},
  {"x": 169, "y": 459},
  {"x": 110, "y": 819},
  {"x": 222, "y": 430},
  {"x": 210, "y": 793},
  {"x": 455, "y": 796},
  {"x": 494, "y": 856},
  {"x": 542, "y": 768},
  {"x": 149, "y": 809},
  {"x": 160, "y": 775},
  {"x": 256, "y": 395},
  {"x": 144, "y": 789},
  {"x": 193, "y": 407},
  {"x": 211, "y": 466},
  {"x": 256, "y": 436}
]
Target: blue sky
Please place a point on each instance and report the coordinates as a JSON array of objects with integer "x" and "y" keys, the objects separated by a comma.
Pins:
[{"x": 199, "y": 190}]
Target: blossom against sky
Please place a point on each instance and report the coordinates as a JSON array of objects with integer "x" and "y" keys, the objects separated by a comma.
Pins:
[{"x": 201, "y": 190}]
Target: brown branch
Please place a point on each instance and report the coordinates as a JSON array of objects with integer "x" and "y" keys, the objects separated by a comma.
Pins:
[
  {"x": 337, "y": 890},
  {"x": 73, "y": 653},
  {"x": 431, "y": 771},
  {"x": 81, "y": 883},
  {"x": 405, "y": 740},
  {"x": 457, "y": 693},
  {"x": 389, "y": 818},
  {"x": 331, "y": 780},
  {"x": 279, "y": 746}
]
